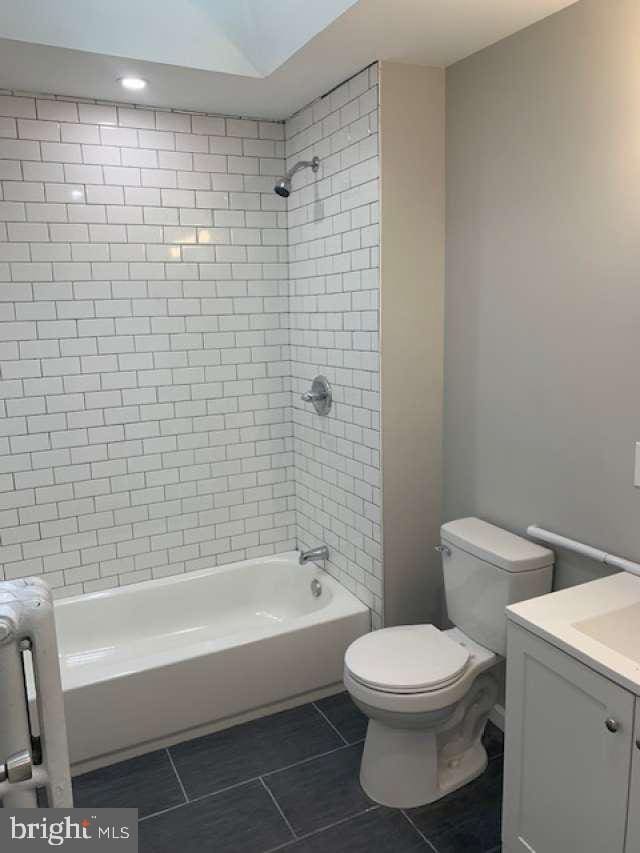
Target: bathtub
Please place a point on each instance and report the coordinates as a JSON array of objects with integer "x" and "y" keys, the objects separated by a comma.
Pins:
[{"x": 153, "y": 663}]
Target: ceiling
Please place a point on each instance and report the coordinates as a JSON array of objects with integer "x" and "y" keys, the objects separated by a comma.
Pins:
[
  {"x": 250, "y": 38},
  {"x": 259, "y": 58}
]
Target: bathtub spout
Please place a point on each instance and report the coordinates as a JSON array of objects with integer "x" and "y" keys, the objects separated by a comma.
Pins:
[{"x": 313, "y": 554}]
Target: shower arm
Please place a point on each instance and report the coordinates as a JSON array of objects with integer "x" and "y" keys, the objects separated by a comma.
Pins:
[{"x": 314, "y": 165}]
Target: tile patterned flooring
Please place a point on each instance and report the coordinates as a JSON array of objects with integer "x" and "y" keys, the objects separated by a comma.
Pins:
[{"x": 289, "y": 782}]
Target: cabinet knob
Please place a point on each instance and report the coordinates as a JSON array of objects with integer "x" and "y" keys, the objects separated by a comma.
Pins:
[{"x": 612, "y": 724}]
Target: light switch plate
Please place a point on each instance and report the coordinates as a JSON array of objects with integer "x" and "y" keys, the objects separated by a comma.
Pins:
[{"x": 636, "y": 476}]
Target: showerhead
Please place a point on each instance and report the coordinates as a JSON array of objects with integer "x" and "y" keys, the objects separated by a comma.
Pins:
[
  {"x": 283, "y": 184},
  {"x": 283, "y": 187}
]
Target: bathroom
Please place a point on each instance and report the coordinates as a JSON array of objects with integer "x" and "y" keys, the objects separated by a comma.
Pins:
[{"x": 319, "y": 452}]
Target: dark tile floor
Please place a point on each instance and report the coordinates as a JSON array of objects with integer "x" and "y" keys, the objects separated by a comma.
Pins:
[{"x": 289, "y": 782}]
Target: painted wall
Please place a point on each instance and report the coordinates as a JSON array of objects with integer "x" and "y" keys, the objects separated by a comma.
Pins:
[
  {"x": 543, "y": 301},
  {"x": 144, "y": 393},
  {"x": 412, "y": 149},
  {"x": 334, "y": 330}
]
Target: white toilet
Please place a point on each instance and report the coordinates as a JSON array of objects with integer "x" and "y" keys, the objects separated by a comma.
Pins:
[{"x": 428, "y": 693}]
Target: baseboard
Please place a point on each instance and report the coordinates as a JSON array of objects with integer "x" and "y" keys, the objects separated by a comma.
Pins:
[{"x": 497, "y": 716}]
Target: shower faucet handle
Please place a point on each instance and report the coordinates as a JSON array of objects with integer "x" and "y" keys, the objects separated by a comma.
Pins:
[
  {"x": 320, "y": 395},
  {"x": 312, "y": 396}
]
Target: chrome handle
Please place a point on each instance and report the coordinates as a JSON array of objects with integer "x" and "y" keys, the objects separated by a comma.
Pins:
[
  {"x": 444, "y": 550},
  {"x": 612, "y": 724},
  {"x": 320, "y": 395}
]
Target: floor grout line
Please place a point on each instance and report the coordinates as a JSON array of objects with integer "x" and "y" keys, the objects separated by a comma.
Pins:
[
  {"x": 277, "y": 805},
  {"x": 175, "y": 770},
  {"x": 324, "y": 717},
  {"x": 247, "y": 781},
  {"x": 419, "y": 831},
  {"x": 203, "y": 797},
  {"x": 163, "y": 811},
  {"x": 322, "y": 829},
  {"x": 311, "y": 758}
]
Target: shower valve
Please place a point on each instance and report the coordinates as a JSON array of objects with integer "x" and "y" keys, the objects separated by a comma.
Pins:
[{"x": 320, "y": 395}]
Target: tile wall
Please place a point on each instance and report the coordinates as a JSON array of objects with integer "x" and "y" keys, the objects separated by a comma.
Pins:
[
  {"x": 144, "y": 406},
  {"x": 152, "y": 333},
  {"x": 334, "y": 331}
]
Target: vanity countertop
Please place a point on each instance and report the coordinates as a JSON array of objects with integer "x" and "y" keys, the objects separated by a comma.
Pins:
[{"x": 597, "y": 622}]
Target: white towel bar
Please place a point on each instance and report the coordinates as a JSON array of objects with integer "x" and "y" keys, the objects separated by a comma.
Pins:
[{"x": 586, "y": 550}]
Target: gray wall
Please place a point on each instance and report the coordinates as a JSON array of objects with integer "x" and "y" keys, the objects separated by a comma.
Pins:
[
  {"x": 542, "y": 394},
  {"x": 412, "y": 156}
]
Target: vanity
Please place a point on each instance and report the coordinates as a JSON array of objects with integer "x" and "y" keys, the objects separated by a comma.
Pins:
[{"x": 572, "y": 748}]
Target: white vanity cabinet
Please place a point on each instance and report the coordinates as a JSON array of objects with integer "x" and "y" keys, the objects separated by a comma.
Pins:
[
  {"x": 570, "y": 754},
  {"x": 633, "y": 823}
]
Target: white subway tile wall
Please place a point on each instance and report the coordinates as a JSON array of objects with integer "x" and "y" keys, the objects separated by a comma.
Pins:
[
  {"x": 334, "y": 330},
  {"x": 145, "y": 421}
]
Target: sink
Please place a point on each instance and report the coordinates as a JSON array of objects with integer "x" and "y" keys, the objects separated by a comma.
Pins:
[
  {"x": 596, "y": 622},
  {"x": 619, "y": 630}
]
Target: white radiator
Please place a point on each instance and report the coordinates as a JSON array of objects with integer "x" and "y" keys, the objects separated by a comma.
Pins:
[{"x": 33, "y": 745}]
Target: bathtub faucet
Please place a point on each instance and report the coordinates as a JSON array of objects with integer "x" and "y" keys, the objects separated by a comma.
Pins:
[{"x": 319, "y": 553}]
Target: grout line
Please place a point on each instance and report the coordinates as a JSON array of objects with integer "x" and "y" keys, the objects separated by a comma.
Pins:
[
  {"x": 277, "y": 805},
  {"x": 162, "y": 811},
  {"x": 336, "y": 730},
  {"x": 311, "y": 758},
  {"x": 202, "y": 797},
  {"x": 175, "y": 770},
  {"x": 245, "y": 782},
  {"x": 420, "y": 833},
  {"x": 322, "y": 829}
]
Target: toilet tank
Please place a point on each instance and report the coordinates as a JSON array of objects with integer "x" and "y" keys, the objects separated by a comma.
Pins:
[{"x": 485, "y": 569}]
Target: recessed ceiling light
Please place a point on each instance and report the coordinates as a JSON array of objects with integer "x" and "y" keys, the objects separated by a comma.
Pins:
[{"x": 133, "y": 83}]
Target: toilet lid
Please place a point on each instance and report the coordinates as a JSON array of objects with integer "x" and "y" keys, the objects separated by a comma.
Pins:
[{"x": 406, "y": 659}]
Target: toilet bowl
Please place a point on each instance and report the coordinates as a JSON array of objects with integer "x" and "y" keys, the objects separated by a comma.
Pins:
[{"x": 428, "y": 693}]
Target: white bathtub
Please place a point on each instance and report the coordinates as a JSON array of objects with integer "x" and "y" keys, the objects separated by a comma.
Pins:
[{"x": 156, "y": 662}]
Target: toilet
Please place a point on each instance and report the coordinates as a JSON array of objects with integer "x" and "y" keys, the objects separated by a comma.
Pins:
[{"x": 428, "y": 693}]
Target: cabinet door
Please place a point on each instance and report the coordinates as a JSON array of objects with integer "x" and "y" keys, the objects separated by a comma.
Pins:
[
  {"x": 567, "y": 753},
  {"x": 633, "y": 825}
]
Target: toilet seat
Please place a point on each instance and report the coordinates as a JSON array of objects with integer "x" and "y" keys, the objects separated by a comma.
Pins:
[{"x": 408, "y": 659}]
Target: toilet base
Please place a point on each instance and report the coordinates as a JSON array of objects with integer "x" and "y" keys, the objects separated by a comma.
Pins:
[
  {"x": 463, "y": 770},
  {"x": 400, "y": 766}
]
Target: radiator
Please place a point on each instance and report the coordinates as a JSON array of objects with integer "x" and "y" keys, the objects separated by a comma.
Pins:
[{"x": 33, "y": 740}]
